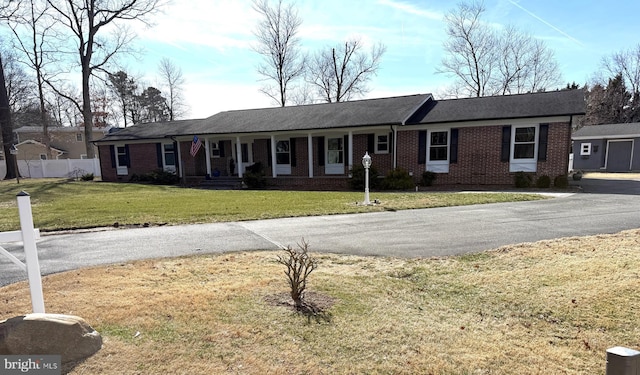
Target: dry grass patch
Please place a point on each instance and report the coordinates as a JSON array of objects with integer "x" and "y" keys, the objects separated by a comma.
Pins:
[{"x": 551, "y": 307}]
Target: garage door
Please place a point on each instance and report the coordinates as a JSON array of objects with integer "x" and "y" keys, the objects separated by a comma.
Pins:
[{"x": 619, "y": 156}]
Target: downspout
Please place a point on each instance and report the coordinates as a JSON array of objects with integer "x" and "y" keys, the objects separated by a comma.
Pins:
[{"x": 394, "y": 131}]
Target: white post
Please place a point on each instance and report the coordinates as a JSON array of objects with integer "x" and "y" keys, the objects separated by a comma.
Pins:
[
  {"x": 366, "y": 187},
  {"x": 30, "y": 251},
  {"x": 207, "y": 149},
  {"x": 274, "y": 162},
  {"x": 239, "y": 157}
]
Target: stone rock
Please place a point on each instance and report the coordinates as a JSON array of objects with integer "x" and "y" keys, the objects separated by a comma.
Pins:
[{"x": 66, "y": 335}]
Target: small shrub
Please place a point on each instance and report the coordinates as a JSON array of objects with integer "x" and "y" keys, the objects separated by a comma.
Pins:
[
  {"x": 398, "y": 179},
  {"x": 254, "y": 176},
  {"x": 87, "y": 177},
  {"x": 522, "y": 180},
  {"x": 299, "y": 265},
  {"x": 561, "y": 182},
  {"x": 428, "y": 178},
  {"x": 577, "y": 176},
  {"x": 543, "y": 182},
  {"x": 356, "y": 182},
  {"x": 77, "y": 173},
  {"x": 157, "y": 177}
]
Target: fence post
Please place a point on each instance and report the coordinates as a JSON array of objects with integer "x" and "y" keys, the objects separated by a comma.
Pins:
[
  {"x": 30, "y": 251},
  {"x": 623, "y": 361}
]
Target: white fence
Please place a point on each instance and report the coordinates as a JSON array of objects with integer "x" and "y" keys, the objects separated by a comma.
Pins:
[{"x": 54, "y": 168}]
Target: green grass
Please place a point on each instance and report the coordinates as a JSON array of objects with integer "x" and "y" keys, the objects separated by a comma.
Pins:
[{"x": 61, "y": 204}]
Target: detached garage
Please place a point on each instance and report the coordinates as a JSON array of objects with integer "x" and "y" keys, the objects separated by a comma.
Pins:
[{"x": 609, "y": 148}]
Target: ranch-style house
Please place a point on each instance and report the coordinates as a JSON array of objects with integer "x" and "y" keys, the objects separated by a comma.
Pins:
[{"x": 474, "y": 141}]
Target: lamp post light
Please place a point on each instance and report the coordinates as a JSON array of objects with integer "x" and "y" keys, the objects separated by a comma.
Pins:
[{"x": 366, "y": 163}]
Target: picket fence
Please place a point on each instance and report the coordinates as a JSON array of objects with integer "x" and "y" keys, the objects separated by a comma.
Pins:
[{"x": 54, "y": 168}]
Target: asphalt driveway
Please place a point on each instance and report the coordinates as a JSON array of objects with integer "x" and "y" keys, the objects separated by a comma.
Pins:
[{"x": 598, "y": 207}]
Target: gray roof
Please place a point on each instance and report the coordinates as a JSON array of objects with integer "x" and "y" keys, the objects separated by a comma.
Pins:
[
  {"x": 370, "y": 112},
  {"x": 412, "y": 109},
  {"x": 608, "y": 131},
  {"x": 543, "y": 104}
]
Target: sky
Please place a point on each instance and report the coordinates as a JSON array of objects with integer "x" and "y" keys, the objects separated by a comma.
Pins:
[{"x": 211, "y": 41}]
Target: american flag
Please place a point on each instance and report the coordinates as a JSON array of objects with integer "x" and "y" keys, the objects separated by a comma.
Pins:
[{"x": 195, "y": 145}]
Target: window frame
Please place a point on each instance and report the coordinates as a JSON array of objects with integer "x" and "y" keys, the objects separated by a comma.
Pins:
[
  {"x": 166, "y": 166},
  {"x": 214, "y": 149},
  {"x": 378, "y": 143},
  {"x": 121, "y": 169},
  {"x": 438, "y": 165},
  {"x": 585, "y": 149},
  {"x": 79, "y": 137},
  {"x": 524, "y": 164},
  {"x": 334, "y": 168}
]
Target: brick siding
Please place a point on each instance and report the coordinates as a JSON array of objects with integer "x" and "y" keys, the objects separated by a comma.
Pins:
[{"x": 479, "y": 151}]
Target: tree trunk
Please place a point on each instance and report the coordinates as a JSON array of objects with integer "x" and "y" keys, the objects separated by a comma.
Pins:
[
  {"x": 87, "y": 115},
  {"x": 6, "y": 129}
]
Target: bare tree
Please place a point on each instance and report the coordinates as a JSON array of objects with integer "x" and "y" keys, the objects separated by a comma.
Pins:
[
  {"x": 342, "y": 73},
  {"x": 626, "y": 64},
  {"x": 487, "y": 62},
  {"x": 172, "y": 82},
  {"x": 86, "y": 19},
  {"x": 283, "y": 61},
  {"x": 34, "y": 37},
  {"x": 470, "y": 49},
  {"x": 6, "y": 129}
]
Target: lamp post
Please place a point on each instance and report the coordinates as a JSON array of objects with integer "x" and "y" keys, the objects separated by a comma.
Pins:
[
  {"x": 14, "y": 151},
  {"x": 366, "y": 163}
]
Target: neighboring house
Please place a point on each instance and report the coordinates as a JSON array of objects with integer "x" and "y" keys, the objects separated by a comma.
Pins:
[
  {"x": 465, "y": 141},
  {"x": 34, "y": 150},
  {"x": 610, "y": 148},
  {"x": 65, "y": 142}
]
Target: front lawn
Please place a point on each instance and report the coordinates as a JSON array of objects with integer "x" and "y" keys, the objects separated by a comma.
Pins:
[{"x": 61, "y": 204}]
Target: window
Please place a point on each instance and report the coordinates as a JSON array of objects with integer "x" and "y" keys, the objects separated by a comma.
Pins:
[
  {"x": 43, "y": 156},
  {"x": 283, "y": 153},
  {"x": 169, "y": 155},
  {"x": 335, "y": 156},
  {"x": 438, "y": 146},
  {"x": 83, "y": 156},
  {"x": 79, "y": 137},
  {"x": 438, "y": 151},
  {"x": 585, "y": 149},
  {"x": 215, "y": 150},
  {"x": 335, "y": 151},
  {"x": 382, "y": 144},
  {"x": 524, "y": 144},
  {"x": 121, "y": 155},
  {"x": 121, "y": 159}
]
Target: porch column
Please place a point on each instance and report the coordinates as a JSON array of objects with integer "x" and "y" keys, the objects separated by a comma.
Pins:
[
  {"x": 239, "y": 156},
  {"x": 274, "y": 174},
  {"x": 180, "y": 164},
  {"x": 310, "y": 154},
  {"x": 350, "y": 157},
  {"x": 207, "y": 149}
]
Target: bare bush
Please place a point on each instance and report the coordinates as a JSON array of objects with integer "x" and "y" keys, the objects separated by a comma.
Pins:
[{"x": 299, "y": 266}]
